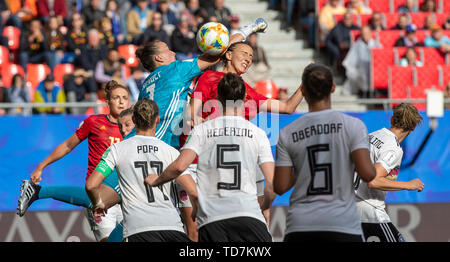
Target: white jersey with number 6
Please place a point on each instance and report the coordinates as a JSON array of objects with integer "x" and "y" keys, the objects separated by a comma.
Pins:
[
  {"x": 319, "y": 146},
  {"x": 145, "y": 208},
  {"x": 385, "y": 150},
  {"x": 229, "y": 150}
]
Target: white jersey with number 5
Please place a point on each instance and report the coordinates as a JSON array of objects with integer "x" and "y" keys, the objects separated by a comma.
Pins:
[
  {"x": 386, "y": 151},
  {"x": 229, "y": 149},
  {"x": 319, "y": 146},
  {"x": 145, "y": 208}
]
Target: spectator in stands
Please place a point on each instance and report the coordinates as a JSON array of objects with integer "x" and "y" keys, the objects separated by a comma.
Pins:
[
  {"x": 92, "y": 13},
  {"x": 48, "y": 8},
  {"x": 18, "y": 93},
  {"x": 176, "y": 6},
  {"x": 168, "y": 17},
  {"x": 25, "y": 10},
  {"x": 192, "y": 7},
  {"x": 76, "y": 36},
  {"x": 56, "y": 40},
  {"x": 289, "y": 13},
  {"x": 138, "y": 19},
  {"x": 104, "y": 26},
  {"x": 220, "y": 13},
  {"x": 136, "y": 81},
  {"x": 118, "y": 21},
  {"x": 428, "y": 6},
  {"x": 409, "y": 7},
  {"x": 7, "y": 18},
  {"x": 326, "y": 17},
  {"x": 80, "y": 87},
  {"x": 430, "y": 21},
  {"x": 110, "y": 67},
  {"x": 260, "y": 68},
  {"x": 4, "y": 98},
  {"x": 338, "y": 40},
  {"x": 376, "y": 22},
  {"x": 409, "y": 39},
  {"x": 410, "y": 58},
  {"x": 308, "y": 19},
  {"x": 183, "y": 40},
  {"x": 283, "y": 94},
  {"x": 155, "y": 31},
  {"x": 357, "y": 64},
  {"x": 49, "y": 92},
  {"x": 401, "y": 23},
  {"x": 34, "y": 47},
  {"x": 358, "y": 7},
  {"x": 234, "y": 24},
  {"x": 438, "y": 39},
  {"x": 92, "y": 52}
]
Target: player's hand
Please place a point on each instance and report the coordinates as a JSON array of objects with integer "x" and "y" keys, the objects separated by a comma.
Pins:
[
  {"x": 259, "y": 26},
  {"x": 416, "y": 184},
  {"x": 150, "y": 179},
  {"x": 36, "y": 176},
  {"x": 99, "y": 211}
]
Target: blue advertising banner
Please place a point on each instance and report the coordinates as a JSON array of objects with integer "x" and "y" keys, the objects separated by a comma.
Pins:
[{"x": 26, "y": 141}]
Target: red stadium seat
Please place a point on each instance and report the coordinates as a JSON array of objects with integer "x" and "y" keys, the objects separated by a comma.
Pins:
[
  {"x": 444, "y": 71},
  {"x": 421, "y": 35},
  {"x": 128, "y": 52},
  {"x": 381, "y": 59},
  {"x": 387, "y": 38},
  {"x": 364, "y": 19},
  {"x": 390, "y": 20},
  {"x": 102, "y": 109},
  {"x": 355, "y": 34},
  {"x": 13, "y": 35},
  {"x": 60, "y": 70},
  {"x": 267, "y": 88},
  {"x": 35, "y": 74},
  {"x": 427, "y": 76},
  {"x": 8, "y": 71},
  {"x": 400, "y": 78},
  {"x": 419, "y": 18},
  {"x": 431, "y": 56},
  {"x": 395, "y": 5},
  {"x": 420, "y": 92},
  {"x": 399, "y": 53},
  {"x": 441, "y": 17},
  {"x": 4, "y": 56},
  {"x": 379, "y": 5},
  {"x": 446, "y": 6}
]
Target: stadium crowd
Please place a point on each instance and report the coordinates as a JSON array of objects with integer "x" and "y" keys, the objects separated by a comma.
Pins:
[{"x": 67, "y": 50}]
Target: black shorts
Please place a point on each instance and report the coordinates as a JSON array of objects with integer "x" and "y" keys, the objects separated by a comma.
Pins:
[
  {"x": 237, "y": 229},
  {"x": 381, "y": 232},
  {"x": 322, "y": 236},
  {"x": 158, "y": 236}
]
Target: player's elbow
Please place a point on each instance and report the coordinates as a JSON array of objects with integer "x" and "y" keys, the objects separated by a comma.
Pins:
[{"x": 90, "y": 185}]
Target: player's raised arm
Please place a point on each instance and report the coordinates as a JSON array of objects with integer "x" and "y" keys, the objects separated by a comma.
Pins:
[
  {"x": 63, "y": 149},
  {"x": 258, "y": 26}
]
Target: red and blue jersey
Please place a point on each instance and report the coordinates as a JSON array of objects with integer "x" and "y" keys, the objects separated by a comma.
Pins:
[{"x": 101, "y": 134}]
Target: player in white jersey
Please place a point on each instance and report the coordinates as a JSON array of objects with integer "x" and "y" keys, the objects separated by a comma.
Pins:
[
  {"x": 148, "y": 213},
  {"x": 317, "y": 154},
  {"x": 386, "y": 154},
  {"x": 228, "y": 149}
]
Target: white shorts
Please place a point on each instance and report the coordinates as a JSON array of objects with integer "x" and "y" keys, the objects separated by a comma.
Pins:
[
  {"x": 183, "y": 197},
  {"x": 102, "y": 229}
]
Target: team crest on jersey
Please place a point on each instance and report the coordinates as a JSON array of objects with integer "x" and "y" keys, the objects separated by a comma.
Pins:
[
  {"x": 103, "y": 127},
  {"x": 393, "y": 174}
]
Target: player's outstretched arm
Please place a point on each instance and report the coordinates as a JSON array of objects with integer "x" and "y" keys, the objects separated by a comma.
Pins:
[
  {"x": 258, "y": 26},
  {"x": 174, "y": 170},
  {"x": 381, "y": 182},
  {"x": 288, "y": 107},
  {"x": 63, "y": 149},
  {"x": 363, "y": 164},
  {"x": 283, "y": 180}
]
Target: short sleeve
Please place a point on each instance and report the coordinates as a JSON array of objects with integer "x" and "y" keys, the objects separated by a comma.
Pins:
[
  {"x": 108, "y": 161},
  {"x": 282, "y": 155},
  {"x": 357, "y": 133},
  {"x": 188, "y": 69},
  {"x": 390, "y": 158},
  {"x": 195, "y": 139},
  {"x": 84, "y": 129},
  {"x": 265, "y": 152}
]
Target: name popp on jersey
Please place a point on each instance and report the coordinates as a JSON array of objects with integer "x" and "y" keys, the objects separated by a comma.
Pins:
[{"x": 144, "y": 149}]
